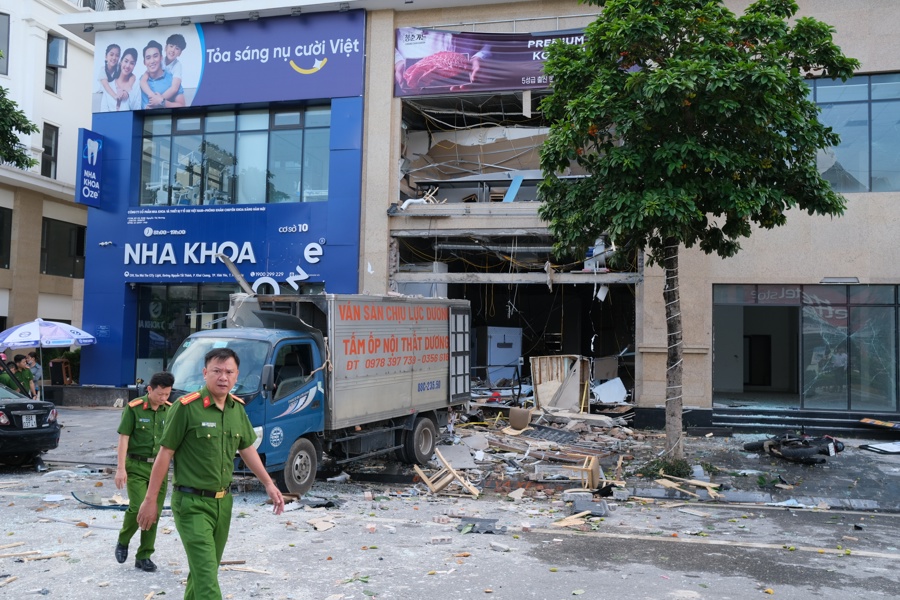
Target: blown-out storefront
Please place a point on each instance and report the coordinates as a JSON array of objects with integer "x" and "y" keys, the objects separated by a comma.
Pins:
[{"x": 241, "y": 140}]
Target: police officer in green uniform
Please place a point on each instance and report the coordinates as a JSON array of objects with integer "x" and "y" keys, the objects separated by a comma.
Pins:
[
  {"x": 24, "y": 374},
  {"x": 139, "y": 433},
  {"x": 203, "y": 432},
  {"x": 7, "y": 379}
]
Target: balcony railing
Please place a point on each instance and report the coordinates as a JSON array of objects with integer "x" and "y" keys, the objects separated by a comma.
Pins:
[{"x": 100, "y": 5}]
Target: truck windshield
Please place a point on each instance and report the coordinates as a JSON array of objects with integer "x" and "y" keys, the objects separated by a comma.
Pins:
[{"x": 187, "y": 365}]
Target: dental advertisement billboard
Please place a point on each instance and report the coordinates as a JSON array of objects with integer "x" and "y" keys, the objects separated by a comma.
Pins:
[{"x": 318, "y": 55}]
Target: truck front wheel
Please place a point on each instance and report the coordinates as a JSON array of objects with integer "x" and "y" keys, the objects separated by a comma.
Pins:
[
  {"x": 419, "y": 443},
  {"x": 300, "y": 470}
]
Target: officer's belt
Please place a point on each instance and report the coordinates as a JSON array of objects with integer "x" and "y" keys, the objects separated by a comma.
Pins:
[
  {"x": 148, "y": 459},
  {"x": 204, "y": 493}
]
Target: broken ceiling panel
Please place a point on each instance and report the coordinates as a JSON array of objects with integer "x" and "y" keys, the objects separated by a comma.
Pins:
[{"x": 483, "y": 151}]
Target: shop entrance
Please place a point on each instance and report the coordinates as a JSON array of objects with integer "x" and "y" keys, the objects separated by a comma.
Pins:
[{"x": 809, "y": 347}]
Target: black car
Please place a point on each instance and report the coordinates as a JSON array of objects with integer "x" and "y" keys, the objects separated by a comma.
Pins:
[{"x": 27, "y": 427}]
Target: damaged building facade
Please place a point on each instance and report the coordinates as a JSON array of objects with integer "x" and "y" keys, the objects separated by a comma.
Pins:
[{"x": 430, "y": 187}]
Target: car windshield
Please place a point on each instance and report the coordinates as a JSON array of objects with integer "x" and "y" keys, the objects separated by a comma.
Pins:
[
  {"x": 187, "y": 365},
  {"x": 8, "y": 394}
]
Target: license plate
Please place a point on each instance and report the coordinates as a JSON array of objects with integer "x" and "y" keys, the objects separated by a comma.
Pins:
[{"x": 29, "y": 421}]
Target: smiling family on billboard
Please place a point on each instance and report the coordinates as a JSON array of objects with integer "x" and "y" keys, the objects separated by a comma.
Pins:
[{"x": 283, "y": 58}]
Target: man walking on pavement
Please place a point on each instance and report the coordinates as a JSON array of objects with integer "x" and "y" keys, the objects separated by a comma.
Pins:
[
  {"x": 204, "y": 431},
  {"x": 140, "y": 431}
]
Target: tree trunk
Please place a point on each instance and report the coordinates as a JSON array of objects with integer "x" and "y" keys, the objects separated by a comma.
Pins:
[{"x": 672, "y": 296}]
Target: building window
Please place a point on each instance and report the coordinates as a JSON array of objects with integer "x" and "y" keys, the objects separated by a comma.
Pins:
[
  {"x": 62, "y": 249},
  {"x": 4, "y": 44},
  {"x": 5, "y": 236},
  {"x": 51, "y": 151},
  {"x": 236, "y": 157},
  {"x": 865, "y": 111},
  {"x": 57, "y": 51}
]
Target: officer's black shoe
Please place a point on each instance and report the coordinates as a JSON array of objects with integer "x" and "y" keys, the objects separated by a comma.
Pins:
[
  {"x": 144, "y": 564},
  {"x": 121, "y": 553}
]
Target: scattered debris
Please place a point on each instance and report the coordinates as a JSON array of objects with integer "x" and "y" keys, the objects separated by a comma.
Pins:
[
  {"x": 444, "y": 477},
  {"x": 475, "y": 525}
]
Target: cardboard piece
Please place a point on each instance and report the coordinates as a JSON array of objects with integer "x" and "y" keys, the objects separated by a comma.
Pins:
[{"x": 519, "y": 418}]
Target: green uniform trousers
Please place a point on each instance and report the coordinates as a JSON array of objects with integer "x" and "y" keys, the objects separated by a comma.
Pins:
[
  {"x": 203, "y": 525},
  {"x": 138, "y": 478}
]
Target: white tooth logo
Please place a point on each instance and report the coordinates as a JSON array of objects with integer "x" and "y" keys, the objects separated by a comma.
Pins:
[{"x": 93, "y": 148}]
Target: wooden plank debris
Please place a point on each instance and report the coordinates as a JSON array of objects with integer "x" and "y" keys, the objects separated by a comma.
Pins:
[
  {"x": 8, "y": 580},
  {"x": 245, "y": 570},
  {"x": 47, "y": 556},
  {"x": 572, "y": 520},
  {"x": 12, "y": 545},
  {"x": 666, "y": 483},
  {"x": 17, "y": 554},
  {"x": 444, "y": 477},
  {"x": 709, "y": 487}
]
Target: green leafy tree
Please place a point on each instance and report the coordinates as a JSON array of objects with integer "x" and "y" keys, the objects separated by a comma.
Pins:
[
  {"x": 695, "y": 125},
  {"x": 12, "y": 122}
]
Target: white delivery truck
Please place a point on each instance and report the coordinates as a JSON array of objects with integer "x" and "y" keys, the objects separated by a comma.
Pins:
[{"x": 342, "y": 376}]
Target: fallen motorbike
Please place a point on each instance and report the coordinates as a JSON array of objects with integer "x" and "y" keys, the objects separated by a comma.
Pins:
[{"x": 802, "y": 448}]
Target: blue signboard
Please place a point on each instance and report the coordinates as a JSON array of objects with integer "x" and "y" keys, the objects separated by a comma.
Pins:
[
  {"x": 282, "y": 245},
  {"x": 318, "y": 55},
  {"x": 90, "y": 168}
]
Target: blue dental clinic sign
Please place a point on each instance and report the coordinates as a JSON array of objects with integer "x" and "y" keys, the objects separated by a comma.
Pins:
[
  {"x": 282, "y": 245},
  {"x": 90, "y": 168},
  {"x": 285, "y": 58}
]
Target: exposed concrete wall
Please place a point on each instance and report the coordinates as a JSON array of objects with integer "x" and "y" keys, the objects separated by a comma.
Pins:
[{"x": 381, "y": 157}]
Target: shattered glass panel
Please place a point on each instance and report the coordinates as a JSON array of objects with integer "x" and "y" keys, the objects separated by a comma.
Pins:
[
  {"x": 873, "y": 359},
  {"x": 824, "y": 350}
]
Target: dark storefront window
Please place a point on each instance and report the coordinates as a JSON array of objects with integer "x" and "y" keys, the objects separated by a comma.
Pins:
[
  {"x": 50, "y": 155},
  {"x": 5, "y": 236},
  {"x": 168, "y": 314},
  {"x": 62, "y": 249},
  {"x": 244, "y": 157}
]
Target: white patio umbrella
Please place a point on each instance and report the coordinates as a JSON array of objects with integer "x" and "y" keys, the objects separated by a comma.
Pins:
[{"x": 44, "y": 334}]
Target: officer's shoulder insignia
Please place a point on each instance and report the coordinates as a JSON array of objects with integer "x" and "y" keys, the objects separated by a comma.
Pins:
[
  {"x": 135, "y": 402},
  {"x": 238, "y": 400},
  {"x": 189, "y": 398}
]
